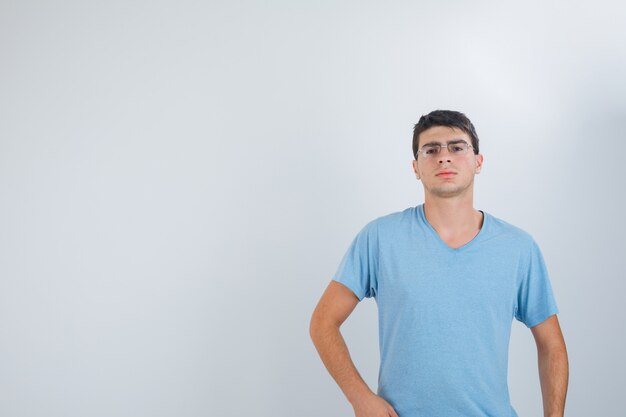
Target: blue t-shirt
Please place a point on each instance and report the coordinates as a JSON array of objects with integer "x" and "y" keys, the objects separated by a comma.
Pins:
[{"x": 445, "y": 314}]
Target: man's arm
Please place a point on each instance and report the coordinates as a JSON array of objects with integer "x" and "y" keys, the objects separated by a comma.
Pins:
[
  {"x": 336, "y": 304},
  {"x": 553, "y": 365}
]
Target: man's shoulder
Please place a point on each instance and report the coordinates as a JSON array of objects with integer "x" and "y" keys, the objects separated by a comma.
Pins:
[
  {"x": 507, "y": 230},
  {"x": 387, "y": 226},
  {"x": 393, "y": 219}
]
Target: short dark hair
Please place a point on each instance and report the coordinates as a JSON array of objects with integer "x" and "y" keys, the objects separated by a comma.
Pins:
[{"x": 449, "y": 118}]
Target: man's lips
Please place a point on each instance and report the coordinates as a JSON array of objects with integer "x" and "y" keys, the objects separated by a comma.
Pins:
[{"x": 446, "y": 174}]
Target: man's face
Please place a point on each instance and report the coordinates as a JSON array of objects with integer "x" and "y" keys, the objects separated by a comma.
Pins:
[{"x": 464, "y": 166}]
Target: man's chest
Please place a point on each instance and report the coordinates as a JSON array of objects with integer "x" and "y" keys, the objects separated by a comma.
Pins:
[{"x": 425, "y": 280}]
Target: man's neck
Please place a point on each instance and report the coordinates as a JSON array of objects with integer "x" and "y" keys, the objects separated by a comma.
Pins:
[{"x": 452, "y": 216}]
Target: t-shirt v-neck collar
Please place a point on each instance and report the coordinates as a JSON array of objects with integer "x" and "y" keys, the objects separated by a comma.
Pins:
[{"x": 424, "y": 222}]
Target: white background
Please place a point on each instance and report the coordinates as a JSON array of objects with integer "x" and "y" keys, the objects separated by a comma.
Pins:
[{"x": 179, "y": 181}]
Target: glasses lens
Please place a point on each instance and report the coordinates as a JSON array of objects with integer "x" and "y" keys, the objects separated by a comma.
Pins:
[
  {"x": 431, "y": 150},
  {"x": 460, "y": 147}
]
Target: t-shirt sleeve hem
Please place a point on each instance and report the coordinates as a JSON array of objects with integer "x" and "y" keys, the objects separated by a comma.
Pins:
[
  {"x": 351, "y": 288},
  {"x": 540, "y": 318}
]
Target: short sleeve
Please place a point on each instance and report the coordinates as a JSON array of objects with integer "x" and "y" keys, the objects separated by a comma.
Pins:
[
  {"x": 535, "y": 299},
  {"x": 358, "y": 269}
]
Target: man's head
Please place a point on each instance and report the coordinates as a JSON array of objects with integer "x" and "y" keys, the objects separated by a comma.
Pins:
[
  {"x": 449, "y": 118},
  {"x": 446, "y": 141}
]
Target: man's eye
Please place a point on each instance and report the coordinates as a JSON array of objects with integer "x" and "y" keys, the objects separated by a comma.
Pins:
[
  {"x": 457, "y": 148},
  {"x": 430, "y": 151}
]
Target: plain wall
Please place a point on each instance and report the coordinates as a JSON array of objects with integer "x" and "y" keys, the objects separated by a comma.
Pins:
[{"x": 179, "y": 181}]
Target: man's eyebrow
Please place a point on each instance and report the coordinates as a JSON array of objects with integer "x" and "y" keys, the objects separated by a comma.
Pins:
[{"x": 449, "y": 142}]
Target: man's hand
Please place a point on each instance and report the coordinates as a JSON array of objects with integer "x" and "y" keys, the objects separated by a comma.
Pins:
[{"x": 373, "y": 406}]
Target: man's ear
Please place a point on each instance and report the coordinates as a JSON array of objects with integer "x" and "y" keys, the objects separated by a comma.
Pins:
[
  {"x": 414, "y": 165},
  {"x": 479, "y": 163}
]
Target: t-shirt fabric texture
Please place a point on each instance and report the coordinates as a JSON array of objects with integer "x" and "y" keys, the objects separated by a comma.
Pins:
[{"x": 445, "y": 314}]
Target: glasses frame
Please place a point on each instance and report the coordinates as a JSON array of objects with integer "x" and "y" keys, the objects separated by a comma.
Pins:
[{"x": 448, "y": 145}]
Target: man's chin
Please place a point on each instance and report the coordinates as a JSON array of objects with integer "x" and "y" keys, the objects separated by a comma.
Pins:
[{"x": 446, "y": 191}]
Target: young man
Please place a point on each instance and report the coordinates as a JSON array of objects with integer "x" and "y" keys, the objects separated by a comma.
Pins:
[{"x": 448, "y": 280}]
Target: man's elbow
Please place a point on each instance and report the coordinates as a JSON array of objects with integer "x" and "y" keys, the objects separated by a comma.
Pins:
[{"x": 320, "y": 324}]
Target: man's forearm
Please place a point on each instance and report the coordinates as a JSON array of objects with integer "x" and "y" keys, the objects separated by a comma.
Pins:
[
  {"x": 553, "y": 375},
  {"x": 332, "y": 348}
]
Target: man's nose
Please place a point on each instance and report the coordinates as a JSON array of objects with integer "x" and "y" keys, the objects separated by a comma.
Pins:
[{"x": 442, "y": 151}]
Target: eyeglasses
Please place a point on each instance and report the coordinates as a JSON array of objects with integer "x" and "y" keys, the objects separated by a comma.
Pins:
[{"x": 454, "y": 148}]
